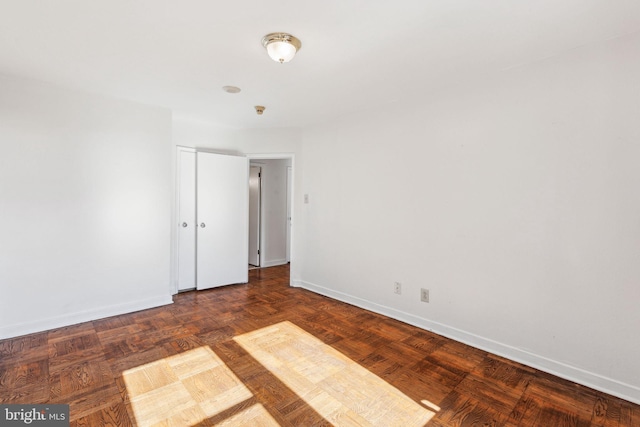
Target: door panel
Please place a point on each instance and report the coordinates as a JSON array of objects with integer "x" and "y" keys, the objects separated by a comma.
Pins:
[
  {"x": 186, "y": 219},
  {"x": 222, "y": 212}
]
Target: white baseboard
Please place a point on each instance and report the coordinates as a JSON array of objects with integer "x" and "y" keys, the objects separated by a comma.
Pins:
[
  {"x": 596, "y": 381},
  {"x": 40, "y": 325},
  {"x": 273, "y": 263}
]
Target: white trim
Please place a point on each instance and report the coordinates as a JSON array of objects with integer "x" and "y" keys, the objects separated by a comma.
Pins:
[
  {"x": 81, "y": 317},
  {"x": 590, "y": 379},
  {"x": 289, "y": 209},
  {"x": 273, "y": 156},
  {"x": 274, "y": 263}
]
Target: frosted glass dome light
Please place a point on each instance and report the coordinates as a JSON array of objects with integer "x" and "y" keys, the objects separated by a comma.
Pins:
[{"x": 281, "y": 47}]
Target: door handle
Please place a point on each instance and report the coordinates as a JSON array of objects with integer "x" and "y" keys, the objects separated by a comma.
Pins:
[
  {"x": 184, "y": 224},
  {"x": 202, "y": 224}
]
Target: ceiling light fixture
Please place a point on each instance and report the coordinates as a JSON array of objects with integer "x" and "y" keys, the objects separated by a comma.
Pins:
[{"x": 281, "y": 47}]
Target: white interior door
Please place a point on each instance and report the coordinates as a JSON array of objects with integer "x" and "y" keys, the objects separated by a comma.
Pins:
[
  {"x": 186, "y": 219},
  {"x": 254, "y": 215},
  {"x": 222, "y": 216}
]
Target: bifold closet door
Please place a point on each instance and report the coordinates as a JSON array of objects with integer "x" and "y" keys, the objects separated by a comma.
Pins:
[
  {"x": 186, "y": 219},
  {"x": 222, "y": 217}
]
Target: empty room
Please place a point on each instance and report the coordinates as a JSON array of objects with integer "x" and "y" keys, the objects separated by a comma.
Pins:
[{"x": 349, "y": 213}]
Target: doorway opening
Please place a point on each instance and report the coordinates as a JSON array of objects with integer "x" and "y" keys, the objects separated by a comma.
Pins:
[
  {"x": 270, "y": 209},
  {"x": 255, "y": 195}
]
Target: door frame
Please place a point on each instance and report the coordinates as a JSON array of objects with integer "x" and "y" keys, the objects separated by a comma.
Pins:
[
  {"x": 259, "y": 219},
  {"x": 256, "y": 157},
  {"x": 289, "y": 209}
]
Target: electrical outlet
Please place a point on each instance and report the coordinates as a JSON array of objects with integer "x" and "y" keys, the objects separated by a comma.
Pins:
[
  {"x": 424, "y": 295},
  {"x": 397, "y": 288}
]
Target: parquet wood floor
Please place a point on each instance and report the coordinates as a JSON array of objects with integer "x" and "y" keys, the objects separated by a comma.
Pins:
[{"x": 212, "y": 358}]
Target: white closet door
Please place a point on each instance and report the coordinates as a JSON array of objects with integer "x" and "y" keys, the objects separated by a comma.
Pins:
[
  {"x": 186, "y": 219},
  {"x": 222, "y": 215}
]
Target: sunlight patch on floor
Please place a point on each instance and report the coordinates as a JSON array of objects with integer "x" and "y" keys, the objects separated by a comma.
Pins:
[
  {"x": 187, "y": 388},
  {"x": 430, "y": 405},
  {"x": 336, "y": 387},
  {"x": 254, "y": 416}
]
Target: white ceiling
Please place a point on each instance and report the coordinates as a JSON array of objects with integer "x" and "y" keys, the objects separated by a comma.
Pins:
[{"x": 356, "y": 54}]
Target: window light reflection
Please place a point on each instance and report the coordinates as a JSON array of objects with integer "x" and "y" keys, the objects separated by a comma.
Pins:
[{"x": 336, "y": 387}]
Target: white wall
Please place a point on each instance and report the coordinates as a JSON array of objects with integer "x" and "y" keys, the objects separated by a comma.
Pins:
[
  {"x": 516, "y": 203},
  {"x": 197, "y": 134},
  {"x": 274, "y": 211},
  {"x": 85, "y": 203}
]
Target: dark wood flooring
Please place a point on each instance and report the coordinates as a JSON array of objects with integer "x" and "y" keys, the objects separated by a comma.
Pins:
[{"x": 82, "y": 365}]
